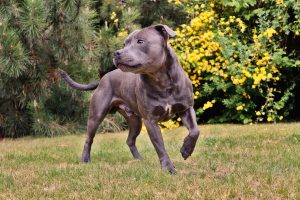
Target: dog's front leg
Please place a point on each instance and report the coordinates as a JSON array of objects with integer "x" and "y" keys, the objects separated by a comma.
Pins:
[
  {"x": 158, "y": 143},
  {"x": 188, "y": 118}
]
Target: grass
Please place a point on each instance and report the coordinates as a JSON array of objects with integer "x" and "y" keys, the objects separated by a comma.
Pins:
[{"x": 229, "y": 162}]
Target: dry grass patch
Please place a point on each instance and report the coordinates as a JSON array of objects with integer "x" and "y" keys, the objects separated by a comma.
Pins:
[{"x": 230, "y": 162}]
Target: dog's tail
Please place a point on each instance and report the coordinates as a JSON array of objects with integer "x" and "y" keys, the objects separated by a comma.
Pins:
[{"x": 78, "y": 86}]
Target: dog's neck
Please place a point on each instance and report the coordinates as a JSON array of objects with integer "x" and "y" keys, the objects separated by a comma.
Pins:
[{"x": 166, "y": 77}]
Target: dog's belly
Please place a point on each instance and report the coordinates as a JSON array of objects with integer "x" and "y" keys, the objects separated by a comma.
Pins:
[{"x": 165, "y": 112}]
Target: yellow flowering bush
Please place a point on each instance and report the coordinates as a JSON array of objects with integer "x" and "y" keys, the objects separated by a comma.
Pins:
[
  {"x": 235, "y": 79},
  {"x": 233, "y": 56}
]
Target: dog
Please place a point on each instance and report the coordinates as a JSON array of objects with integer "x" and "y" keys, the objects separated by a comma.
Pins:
[{"x": 149, "y": 84}]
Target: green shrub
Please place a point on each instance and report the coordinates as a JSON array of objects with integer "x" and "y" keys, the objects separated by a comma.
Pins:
[{"x": 36, "y": 37}]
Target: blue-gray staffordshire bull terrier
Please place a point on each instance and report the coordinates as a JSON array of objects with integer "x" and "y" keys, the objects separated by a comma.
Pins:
[{"x": 149, "y": 84}]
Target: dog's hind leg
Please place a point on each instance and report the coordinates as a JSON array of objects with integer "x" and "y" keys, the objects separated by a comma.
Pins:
[
  {"x": 135, "y": 126},
  {"x": 99, "y": 106}
]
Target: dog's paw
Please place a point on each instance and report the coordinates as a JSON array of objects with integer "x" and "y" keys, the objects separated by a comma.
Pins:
[
  {"x": 138, "y": 157},
  {"x": 85, "y": 159},
  {"x": 171, "y": 169},
  {"x": 167, "y": 165},
  {"x": 188, "y": 147},
  {"x": 185, "y": 152}
]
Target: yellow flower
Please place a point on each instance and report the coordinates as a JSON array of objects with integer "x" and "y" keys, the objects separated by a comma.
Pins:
[
  {"x": 207, "y": 105},
  {"x": 169, "y": 125},
  {"x": 279, "y": 2},
  {"x": 258, "y": 113},
  {"x": 122, "y": 33},
  {"x": 269, "y": 119},
  {"x": 240, "y": 107},
  {"x": 177, "y": 2},
  {"x": 270, "y": 32},
  {"x": 220, "y": 33},
  {"x": 113, "y": 15},
  {"x": 247, "y": 74},
  {"x": 270, "y": 75},
  {"x": 241, "y": 24},
  {"x": 281, "y": 117},
  {"x": 247, "y": 96}
]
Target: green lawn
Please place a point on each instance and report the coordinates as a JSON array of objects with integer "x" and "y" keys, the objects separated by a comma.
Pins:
[{"x": 229, "y": 162}]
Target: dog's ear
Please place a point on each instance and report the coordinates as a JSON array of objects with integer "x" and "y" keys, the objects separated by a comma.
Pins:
[{"x": 165, "y": 31}]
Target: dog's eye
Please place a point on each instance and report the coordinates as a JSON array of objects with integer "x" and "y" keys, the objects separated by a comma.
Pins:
[{"x": 140, "y": 41}]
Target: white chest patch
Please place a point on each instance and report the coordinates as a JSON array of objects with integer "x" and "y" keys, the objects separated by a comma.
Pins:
[{"x": 168, "y": 108}]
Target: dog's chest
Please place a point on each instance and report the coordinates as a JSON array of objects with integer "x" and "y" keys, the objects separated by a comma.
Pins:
[
  {"x": 162, "y": 107},
  {"x": 166, "y": 111},
  {"x": 162, "y": 104}
]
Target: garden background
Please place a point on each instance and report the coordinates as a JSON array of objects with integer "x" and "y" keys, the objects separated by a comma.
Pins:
[{"x": 241, "y": 55}]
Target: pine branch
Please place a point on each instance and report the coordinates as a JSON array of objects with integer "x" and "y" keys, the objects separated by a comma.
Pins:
[{"x": 78, "y": 5}]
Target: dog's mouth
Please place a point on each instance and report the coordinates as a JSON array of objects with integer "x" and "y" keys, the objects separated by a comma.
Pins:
[
  {"x": 128, "y": 68},
  {"x": 125, "y": 67}
]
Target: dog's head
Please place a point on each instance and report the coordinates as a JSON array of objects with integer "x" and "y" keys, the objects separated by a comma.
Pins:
[{"x": 144, "y": 50}]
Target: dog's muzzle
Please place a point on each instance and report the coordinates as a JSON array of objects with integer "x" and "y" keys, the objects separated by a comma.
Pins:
[{"x": 124, "y": 64}]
